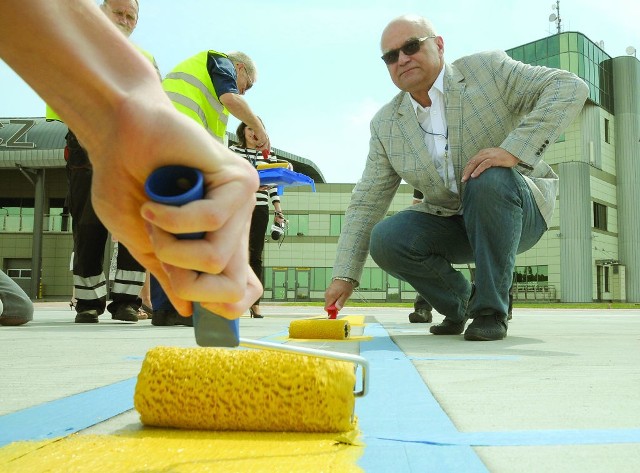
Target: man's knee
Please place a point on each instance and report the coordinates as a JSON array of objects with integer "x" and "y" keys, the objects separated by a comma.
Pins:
[
  {"x": 492, "y": 178},
  {"x": 494, "y": 183},
  {"x": 383, "y": 243}
]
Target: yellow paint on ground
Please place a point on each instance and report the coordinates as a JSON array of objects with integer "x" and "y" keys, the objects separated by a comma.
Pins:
[
  {"x": 352, "y": 338},
  {"x": 308, "y": 330},
  {"x": 179, "y": 451},
  {"x": 182, "y": 451},
  {"x": 355, "y": 320}
]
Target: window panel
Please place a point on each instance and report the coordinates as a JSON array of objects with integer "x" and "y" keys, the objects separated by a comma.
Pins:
[
  {"x": 553, "y": 46},
  {"x": 599, "y": 216},
  {"x": 320, "y": 279},
  {"x": 335, "y": 224},
  {"x": 541, "y": 49},
  {"x": 529, "y": 53},
  {"x": 377, "y": 279},
  {"x": 573, "y": 42}
]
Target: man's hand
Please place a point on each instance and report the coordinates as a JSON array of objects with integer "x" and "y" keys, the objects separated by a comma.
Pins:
[
  {"x": 488, "y": 158},
  {"x": 337, "y": 294},
  {"x": 115, "y": 105},
  {"x": 214, "y": 270}
]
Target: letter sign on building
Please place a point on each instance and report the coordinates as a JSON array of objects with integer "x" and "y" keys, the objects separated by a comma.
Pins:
[{"x": 14, "y": 142}]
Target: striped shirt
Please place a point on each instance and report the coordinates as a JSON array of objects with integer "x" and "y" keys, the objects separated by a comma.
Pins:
[{"x": 254, "y": 155}]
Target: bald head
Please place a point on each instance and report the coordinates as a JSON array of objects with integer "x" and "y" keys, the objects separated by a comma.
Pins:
[{"x": 419, "y": 24}]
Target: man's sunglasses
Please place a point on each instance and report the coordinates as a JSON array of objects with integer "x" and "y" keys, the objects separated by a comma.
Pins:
[{"x": 409, "y": 49}]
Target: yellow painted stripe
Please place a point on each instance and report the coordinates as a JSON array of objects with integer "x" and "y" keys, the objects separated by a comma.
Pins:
[{"x": 185, "y": 451}]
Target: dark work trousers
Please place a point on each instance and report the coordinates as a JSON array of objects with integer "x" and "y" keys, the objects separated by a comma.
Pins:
[
  {"x": 257, "y": 234},
  {"x": 89, "y": 239}
]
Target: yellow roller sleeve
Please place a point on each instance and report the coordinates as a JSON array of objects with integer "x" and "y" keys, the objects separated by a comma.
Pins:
[
  {"x": 337, "y": 329},
  {"x": 244, "y": 390}
]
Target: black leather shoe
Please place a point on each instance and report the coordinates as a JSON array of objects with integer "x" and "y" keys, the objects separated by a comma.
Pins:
[
  {"x": 89, "y": 316},
  {"x": 421, "y": 316},
  {"x": 447, "y": 327},
  {"x": 125, "y": 313},
  {"x": 186, "y": 321},
  {"x": 487, "y": 328},
  {"x": 169, "y": 318},
  {"x": 164, "y": 317}
]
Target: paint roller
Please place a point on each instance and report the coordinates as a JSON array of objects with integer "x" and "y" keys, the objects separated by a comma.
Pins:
[
  {"x": 275, "y": 388},
  {"x": 331, "y": 328}
]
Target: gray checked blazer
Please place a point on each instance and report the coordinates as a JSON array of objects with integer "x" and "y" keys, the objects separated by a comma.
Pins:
[{"x": 490, "y": 101}]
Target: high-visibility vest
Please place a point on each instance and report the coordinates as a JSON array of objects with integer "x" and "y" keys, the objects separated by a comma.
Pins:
[
  {"x": 50, "y": 114},
  {"x": 190, "y": 89}
]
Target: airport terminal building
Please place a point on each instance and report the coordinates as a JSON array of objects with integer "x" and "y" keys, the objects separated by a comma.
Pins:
[{"x": 590, "y": 253}]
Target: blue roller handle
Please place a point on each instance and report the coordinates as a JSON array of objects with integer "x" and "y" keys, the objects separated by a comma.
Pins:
[{"x": 179, "y": 185}]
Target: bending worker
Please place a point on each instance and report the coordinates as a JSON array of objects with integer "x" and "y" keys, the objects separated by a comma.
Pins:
[{"x": 207, "y": 88}]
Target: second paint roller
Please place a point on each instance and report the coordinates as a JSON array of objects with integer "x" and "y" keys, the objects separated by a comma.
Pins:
[{"x": 275, "y": 388}]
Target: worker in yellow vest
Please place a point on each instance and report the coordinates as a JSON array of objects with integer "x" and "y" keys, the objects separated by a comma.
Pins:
[{"x": 208, "y": 87}]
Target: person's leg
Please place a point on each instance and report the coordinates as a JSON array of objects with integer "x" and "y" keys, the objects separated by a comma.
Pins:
[
  {"x": 501, "y": 219},
  {"x": 146, "y": 309},
  {"x": 259, "y": 223},
  {"x": 421, "y": 311},
  {"x": 164, "y": 314},
  {"x": 90, "y": 237},
  {"x": 15, "y": 306},
  {"x": 127, "y": 285},
  {"x": 420, "y": 248}
]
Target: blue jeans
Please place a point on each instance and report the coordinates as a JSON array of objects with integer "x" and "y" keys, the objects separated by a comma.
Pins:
[{"x": 500, "y": 219}]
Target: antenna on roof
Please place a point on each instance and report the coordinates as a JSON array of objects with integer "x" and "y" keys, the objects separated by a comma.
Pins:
[
  {"x": 631, "y": 51},
  {"x": 556, "y": 17}
]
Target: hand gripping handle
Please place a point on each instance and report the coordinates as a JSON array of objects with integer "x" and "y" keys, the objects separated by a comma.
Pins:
[{"x": 179, "y": 185}]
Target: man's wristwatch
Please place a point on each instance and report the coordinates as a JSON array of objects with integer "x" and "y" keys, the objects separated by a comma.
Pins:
[{"x": 350, "y": 280}]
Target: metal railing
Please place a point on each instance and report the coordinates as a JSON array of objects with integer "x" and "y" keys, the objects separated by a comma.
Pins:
[{"x": 24, "y": 223}]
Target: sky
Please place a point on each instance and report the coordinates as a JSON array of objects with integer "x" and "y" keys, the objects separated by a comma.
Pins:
[{"x": 320, "y": 76}]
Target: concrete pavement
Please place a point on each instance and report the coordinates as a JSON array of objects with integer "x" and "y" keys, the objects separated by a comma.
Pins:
[{"x": 560, "y": 394}]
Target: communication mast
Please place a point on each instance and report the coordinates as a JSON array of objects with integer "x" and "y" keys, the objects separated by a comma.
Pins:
[{"x": 556, "y": 16}]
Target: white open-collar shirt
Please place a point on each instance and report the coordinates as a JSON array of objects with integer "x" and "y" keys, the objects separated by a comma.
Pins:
[{"x": 432, "y": 119}]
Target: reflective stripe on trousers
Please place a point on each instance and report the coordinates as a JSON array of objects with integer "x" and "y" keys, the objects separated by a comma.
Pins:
[
  {"x": 90, "y": 288},
  {"x": 128, "y": 282}
]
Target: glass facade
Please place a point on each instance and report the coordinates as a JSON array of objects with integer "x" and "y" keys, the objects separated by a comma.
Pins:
[{"x": 576, "y": 53}]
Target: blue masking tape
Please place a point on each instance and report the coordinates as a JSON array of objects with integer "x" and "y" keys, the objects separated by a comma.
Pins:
[{"x": 68, "y": 415}]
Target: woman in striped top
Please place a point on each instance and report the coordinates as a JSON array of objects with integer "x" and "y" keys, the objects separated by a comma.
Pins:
[{"x": 247, "y": 148}]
